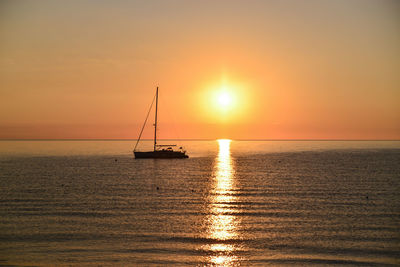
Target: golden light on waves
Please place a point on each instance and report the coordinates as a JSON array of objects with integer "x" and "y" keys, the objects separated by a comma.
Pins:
[{"x": 223, "y": 222}]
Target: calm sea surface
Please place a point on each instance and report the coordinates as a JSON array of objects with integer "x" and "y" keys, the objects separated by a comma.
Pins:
[{"x": 232, "y": 203}]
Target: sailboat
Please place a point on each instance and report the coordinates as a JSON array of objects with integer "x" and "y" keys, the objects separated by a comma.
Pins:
[{"x": 159, "y": 151}]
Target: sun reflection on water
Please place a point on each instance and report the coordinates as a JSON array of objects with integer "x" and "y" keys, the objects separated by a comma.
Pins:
[{"x": 223, "y": 223}]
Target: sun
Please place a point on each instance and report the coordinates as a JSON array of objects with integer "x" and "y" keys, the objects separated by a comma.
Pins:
[{"x": 224, "y": 99}]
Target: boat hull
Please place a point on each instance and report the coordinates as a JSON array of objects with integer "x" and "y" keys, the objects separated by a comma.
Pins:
[{"x": 160, "y": 155}]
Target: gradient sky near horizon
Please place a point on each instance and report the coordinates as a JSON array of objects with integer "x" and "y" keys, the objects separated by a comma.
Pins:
[{"x": 292, "y": 69}]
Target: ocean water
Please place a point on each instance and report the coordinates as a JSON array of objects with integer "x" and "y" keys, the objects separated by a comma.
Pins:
[{"x": 232, "y": 203}]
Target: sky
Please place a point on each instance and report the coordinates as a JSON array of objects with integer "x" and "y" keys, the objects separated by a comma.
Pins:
[{"x": 225, "y": 69}]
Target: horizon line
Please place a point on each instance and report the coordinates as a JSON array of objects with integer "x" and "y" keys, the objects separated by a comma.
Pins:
[{"x": 190, "y": 139}]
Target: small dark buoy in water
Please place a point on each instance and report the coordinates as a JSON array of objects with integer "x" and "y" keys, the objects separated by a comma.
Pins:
[
  {"x": 192, "y": 190},
  {"x": 116, "y": 160},
  {"x": 158, "y": 188},
  {"x": 366, "y": 197}
]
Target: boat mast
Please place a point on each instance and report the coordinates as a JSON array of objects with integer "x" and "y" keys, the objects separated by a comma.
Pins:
[{"x": 155, "y": 122}]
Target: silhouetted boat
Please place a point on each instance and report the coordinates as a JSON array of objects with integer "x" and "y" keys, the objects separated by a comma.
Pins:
[{"x": 159, "y": 151}]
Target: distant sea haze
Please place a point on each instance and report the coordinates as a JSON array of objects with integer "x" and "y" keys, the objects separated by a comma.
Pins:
[{"x": 79, "y": 203}]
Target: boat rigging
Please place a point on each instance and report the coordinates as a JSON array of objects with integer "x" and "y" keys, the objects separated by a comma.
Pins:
[{"x": 159, "y": 151}]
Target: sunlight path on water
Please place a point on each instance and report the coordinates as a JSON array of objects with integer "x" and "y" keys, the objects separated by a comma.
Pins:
[{"x": 223, "y": 223}]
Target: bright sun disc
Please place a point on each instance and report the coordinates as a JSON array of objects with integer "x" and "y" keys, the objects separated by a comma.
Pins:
[
  {"x": 224, "y": 99},
  {"x": 224, "y": 102}
]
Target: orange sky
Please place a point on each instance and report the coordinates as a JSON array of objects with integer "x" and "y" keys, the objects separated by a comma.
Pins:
[{"x": 293, "y": 69}]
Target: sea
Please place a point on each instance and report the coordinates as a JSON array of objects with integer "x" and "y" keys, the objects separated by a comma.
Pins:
[{"x": 232, "y": 203}]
